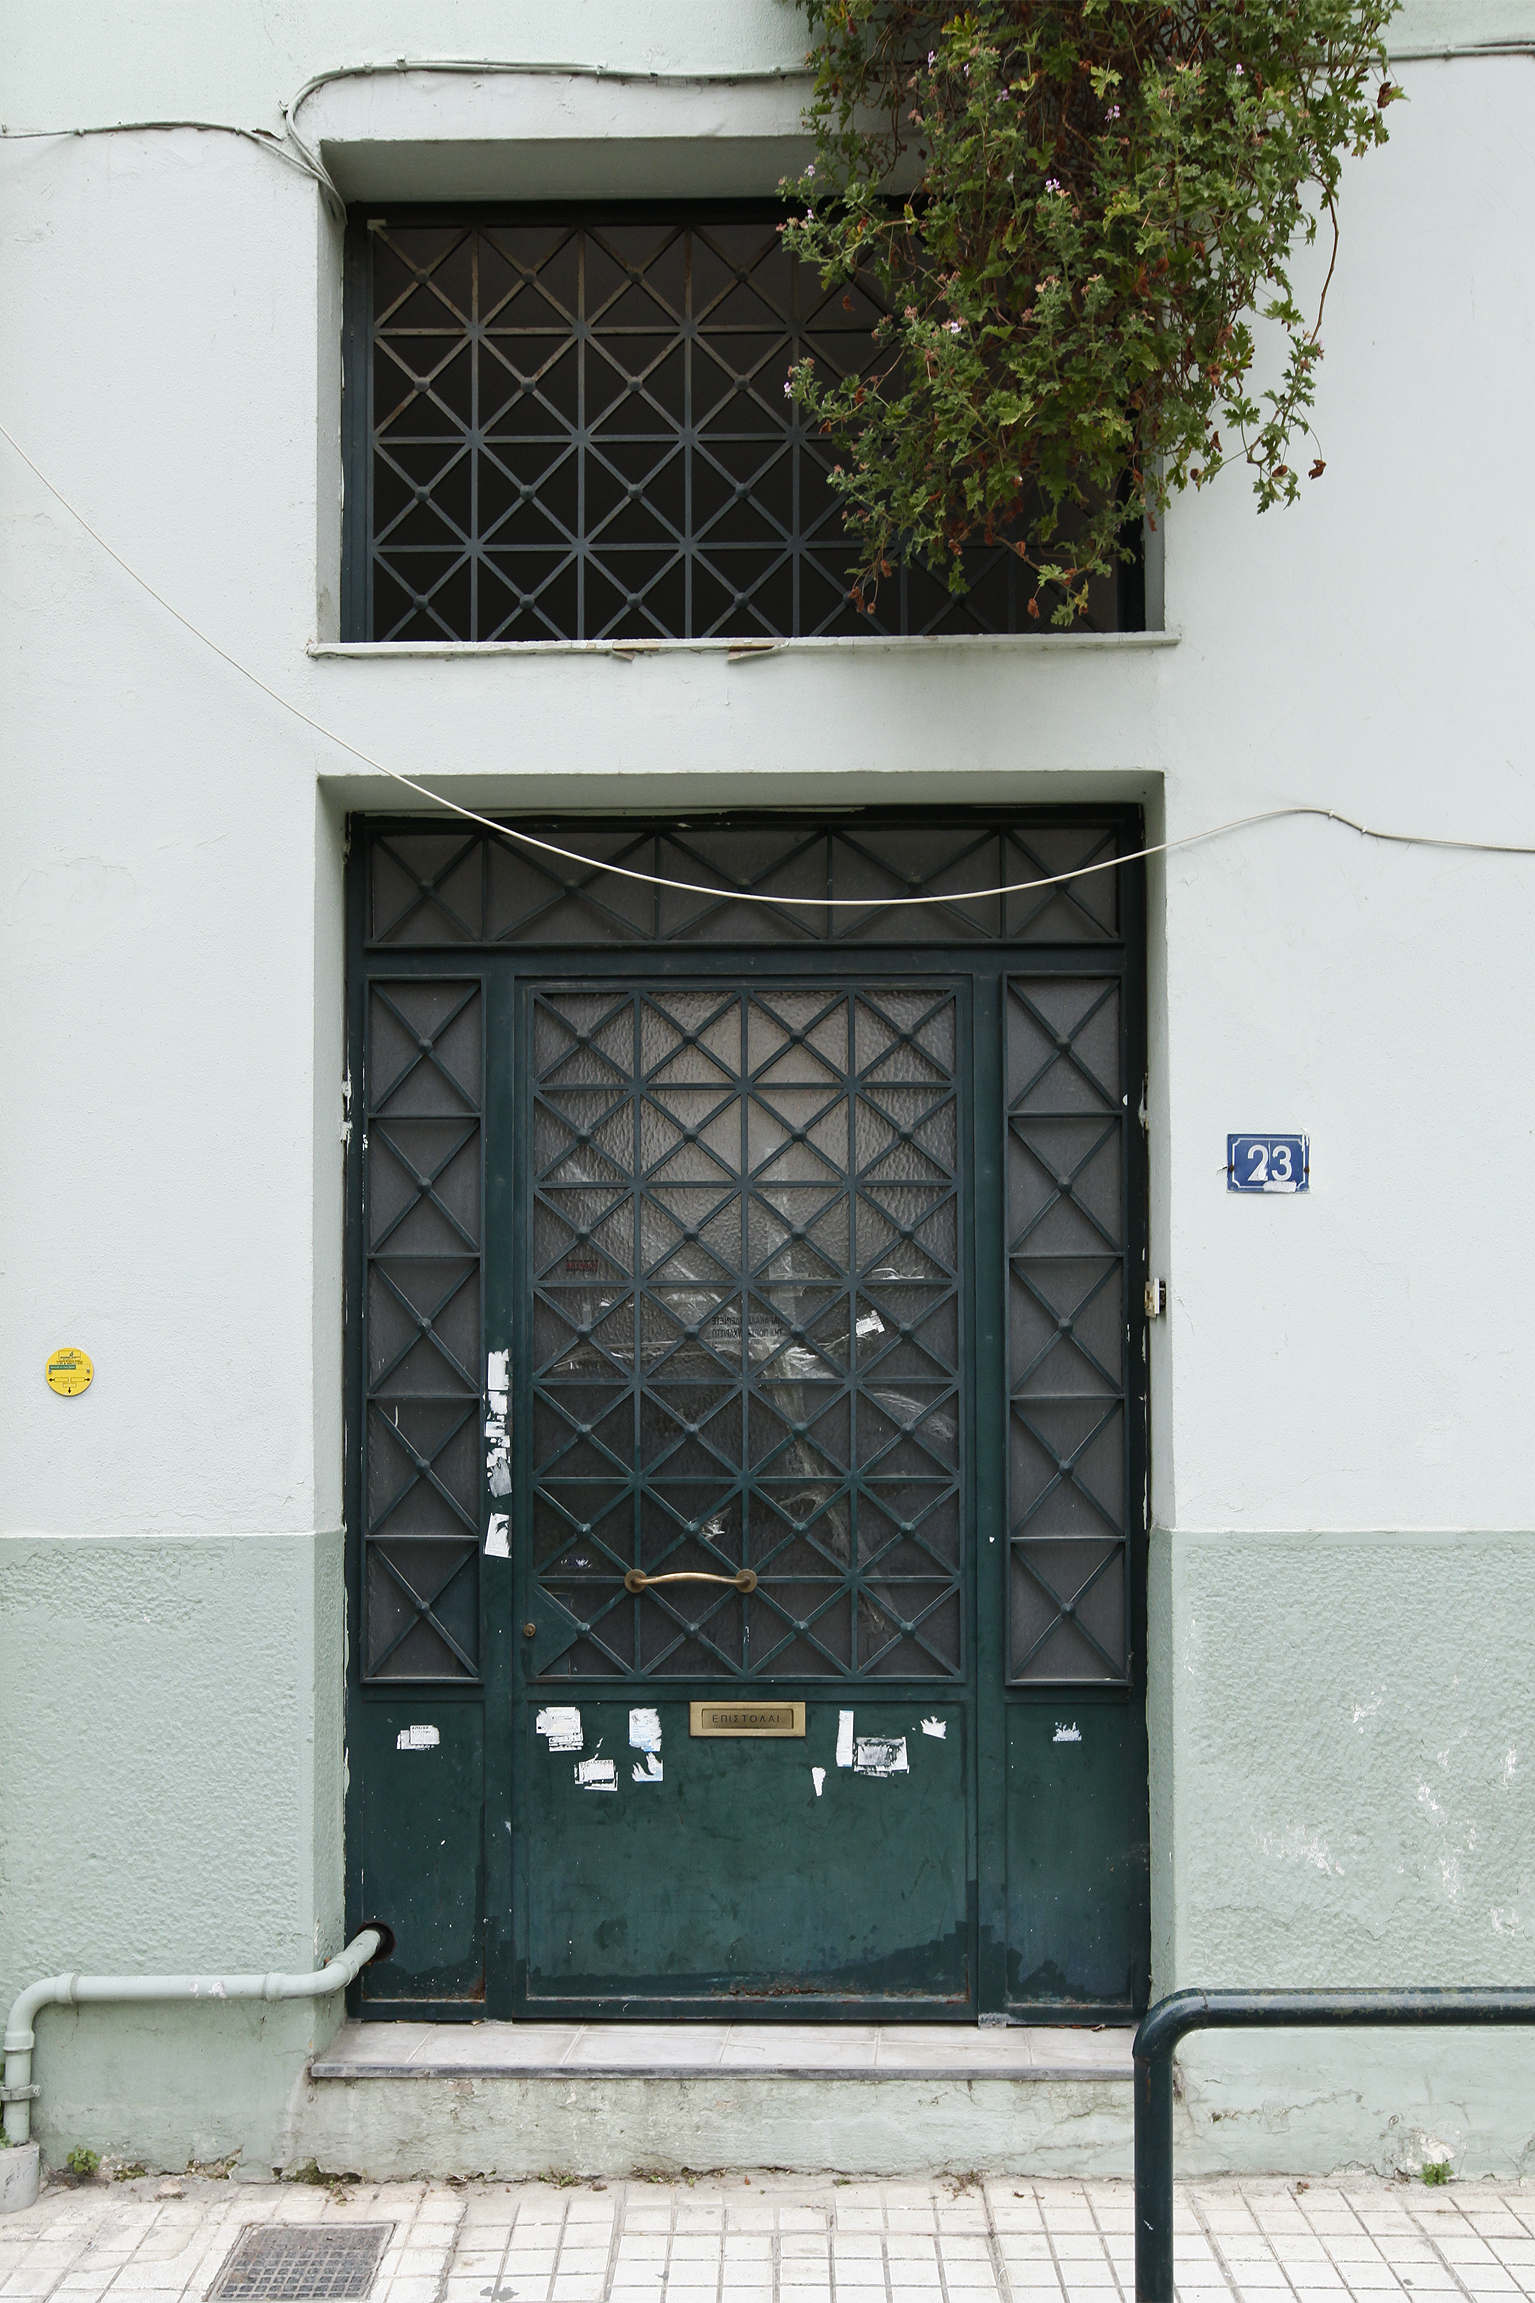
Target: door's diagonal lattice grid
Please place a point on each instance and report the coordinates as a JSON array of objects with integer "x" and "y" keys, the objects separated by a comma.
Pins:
[
  {"x": 745, "y": 1226},
  {"x": 462, "y": 887},
  {"x": 579, "y": 430},
  {"x": 422, "y": 1117},
  {"x": 1069, "y": 1585}
]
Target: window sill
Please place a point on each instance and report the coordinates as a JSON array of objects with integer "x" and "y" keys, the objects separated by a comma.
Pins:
[{"x": 740, "y": 651}]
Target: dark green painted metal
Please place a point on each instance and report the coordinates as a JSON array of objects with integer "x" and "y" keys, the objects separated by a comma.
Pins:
[
  {"x": 748, "y": 1208},
  {"x": 421, "y": 1860},
  {"x": 1184, "y": 2011},
  {"x": 729, "y": 1882},
  {"x": 1078, "y": 1879},
  {"x": 988, "y": 1345},
  {"x": 384, "y": 1800},
  {"x": 500, "y": 1629}
]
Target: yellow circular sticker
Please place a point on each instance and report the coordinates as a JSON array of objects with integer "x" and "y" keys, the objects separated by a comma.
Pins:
[{"x": 69, "y": 1372}]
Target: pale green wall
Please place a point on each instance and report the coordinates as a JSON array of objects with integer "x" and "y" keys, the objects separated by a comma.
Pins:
[
  {"x": 170, "y": 1800},
  {"x": 1344, "y": 1794}
]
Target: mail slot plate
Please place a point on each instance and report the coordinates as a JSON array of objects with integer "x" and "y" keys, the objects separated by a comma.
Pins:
[{"x": 746, "y": 1719}]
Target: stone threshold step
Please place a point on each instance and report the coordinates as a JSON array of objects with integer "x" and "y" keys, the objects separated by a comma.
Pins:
[{"x": 862, "y": 2051}]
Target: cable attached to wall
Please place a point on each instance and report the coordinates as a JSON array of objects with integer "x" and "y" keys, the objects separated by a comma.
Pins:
[
  {"x": 295, "y": 153},
  {"x": 745, "y": 895}
]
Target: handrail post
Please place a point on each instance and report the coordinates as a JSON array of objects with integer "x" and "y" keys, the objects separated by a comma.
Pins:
[{"x": 1154, "y": 2176}]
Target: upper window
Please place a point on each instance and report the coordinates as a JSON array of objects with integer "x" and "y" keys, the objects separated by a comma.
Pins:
[{"x": 573, "y": 426}]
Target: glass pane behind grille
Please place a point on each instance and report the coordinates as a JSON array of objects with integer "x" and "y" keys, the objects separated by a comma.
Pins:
[
  {"x": 579, "y": 430},
  {"x": 745, "y": 1227},
  {"x": 1066, "y": 1120}
]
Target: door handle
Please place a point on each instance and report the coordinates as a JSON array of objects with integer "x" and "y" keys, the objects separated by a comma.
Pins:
[{"x": 636, "y": 1580}]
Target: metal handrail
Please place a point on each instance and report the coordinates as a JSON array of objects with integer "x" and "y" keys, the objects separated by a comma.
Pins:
[{"x": 1184, "y": 2011}]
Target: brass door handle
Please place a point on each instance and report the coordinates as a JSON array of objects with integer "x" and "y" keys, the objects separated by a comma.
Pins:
[{"x": 637, "y": 1580}]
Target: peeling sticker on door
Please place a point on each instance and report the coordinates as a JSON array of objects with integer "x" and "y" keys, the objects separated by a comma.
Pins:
[
  {"x": 818, "y": 1778},
  {"x": 644, "y": 1729},
  {"x": 498, "y": 1370},
  {"x": 938, "y": 1727},
  {"x": 652, "y": 1770},
  {"x": 497, "y": 1544},
  {"x": 844, "y": 1739},
  {"x": 417, "y": 1739},
  {"x": 880, "y": 1755},
  {"x": 1065, "y": 1734},
  {"x": 596, "y": 1774},
  {"x": 561, "y": 1723}
]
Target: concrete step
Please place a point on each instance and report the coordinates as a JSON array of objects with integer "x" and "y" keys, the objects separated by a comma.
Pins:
[{"x": 387, "y": 2100}]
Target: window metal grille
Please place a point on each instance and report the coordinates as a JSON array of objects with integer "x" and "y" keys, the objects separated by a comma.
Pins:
[
  {"x": 746, "y": 1225},
  {"x": 448, "y": 885},
  {"x": 422, "y": 1110},
  {"x": 576, "y": 428},
  {"x": 1068, "y": 1377}
]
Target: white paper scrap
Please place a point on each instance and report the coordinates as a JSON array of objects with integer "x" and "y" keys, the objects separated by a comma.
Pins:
[
  {"x": 818, "y": 1778},
  {"x": 1064, "y": 1734},
  {"x": 498, "y": 1401},
  {"x": 417, "y": 1739},
  {"x": 498, "y": 1366},
  {"x": 938, "y": 1727},
  {"x": 498, "y": 1473},
  {"x": 495, "y": 1430},
  {"x": 844, "y": 1739},
  {"x": 596, "y": 1774},
  {"x": 644, "y": 1730},
  {"x": 497, "y": 1537},
  {"x": 561, "y": 1722},
  {"x": 652, "y": 1770},
  {"x": 870, "y": 1324},
  {"x": 881, "y": 1755}
]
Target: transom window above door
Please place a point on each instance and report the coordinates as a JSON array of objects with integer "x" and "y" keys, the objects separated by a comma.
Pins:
[{"x": 574, "y": 425}]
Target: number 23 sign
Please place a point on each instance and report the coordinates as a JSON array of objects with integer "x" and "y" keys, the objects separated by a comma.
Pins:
[{"x": 1268, "y": 1163}]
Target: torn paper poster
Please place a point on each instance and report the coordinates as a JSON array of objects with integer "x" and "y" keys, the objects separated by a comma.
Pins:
[
  {"x": 1063, "y": 1734},
  {"x": 644, "y": 1730},
  {"x": 561, "y": 1723},
  {"x": 844, "y": 1739},
  {"x": 498, "y": 1471},
  {"x": 597, "y": 1774},
  {"x": 870, "y": 1324},
  {"x": 818, "y": 1778},
  {"x": 938, "y": 1727},
  {"x": 497, "y": 1537},
  {"x": 417, "y": 1739},
  {"x": 651, "y": 1772},
  {"x": 497, "y": 1407},
  {"x": 498, "y": 1370},
  {"x": 495, "y": 1430},
  {"x": 880, "y": 1755}
]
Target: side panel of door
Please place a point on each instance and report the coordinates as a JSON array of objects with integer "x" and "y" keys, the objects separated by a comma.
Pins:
[
  {"x": 422, "y": 1865},
  {"x": 1078, "y": 1887}
]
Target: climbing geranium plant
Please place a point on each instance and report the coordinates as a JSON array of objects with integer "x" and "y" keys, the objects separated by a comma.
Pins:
[{"x": 1077, "y": 215}]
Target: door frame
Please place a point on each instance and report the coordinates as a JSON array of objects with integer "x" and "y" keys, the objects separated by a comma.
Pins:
[{"x": 983, "y": 970}]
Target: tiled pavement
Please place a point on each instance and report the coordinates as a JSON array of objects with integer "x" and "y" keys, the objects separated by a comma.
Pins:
[{"x": 784, "y": 2239}]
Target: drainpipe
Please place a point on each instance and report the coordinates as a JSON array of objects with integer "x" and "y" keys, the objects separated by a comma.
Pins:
[{"x": 375, "y": 1941}]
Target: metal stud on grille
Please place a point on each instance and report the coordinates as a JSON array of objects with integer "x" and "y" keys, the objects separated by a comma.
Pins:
[{"x": 292, "y": 2263}]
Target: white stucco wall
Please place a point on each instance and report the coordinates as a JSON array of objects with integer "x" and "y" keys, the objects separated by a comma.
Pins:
[{"x": 170, "y": 894}]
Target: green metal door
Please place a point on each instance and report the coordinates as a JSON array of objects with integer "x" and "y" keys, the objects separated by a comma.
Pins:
[
  {"x": 746, "y": 1362},
  {"x": 745, "y": 1317}
]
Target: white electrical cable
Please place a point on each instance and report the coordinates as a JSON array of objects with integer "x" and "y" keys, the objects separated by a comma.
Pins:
[{"x": 747, "y": 895}]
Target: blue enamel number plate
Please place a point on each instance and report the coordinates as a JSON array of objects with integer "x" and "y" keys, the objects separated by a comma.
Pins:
[{"x": 1268, "y": 1163}]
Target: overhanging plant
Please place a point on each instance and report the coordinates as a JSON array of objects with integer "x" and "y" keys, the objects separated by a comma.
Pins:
[{"x": 1107, "y": 195}]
